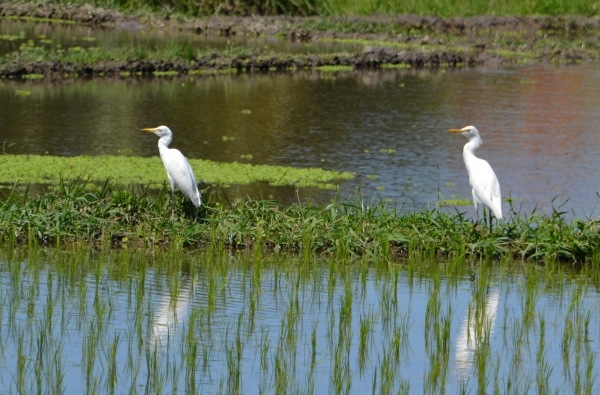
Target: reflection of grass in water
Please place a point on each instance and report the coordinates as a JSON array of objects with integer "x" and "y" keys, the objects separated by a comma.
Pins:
[
  {"x": 335, "y": 68},
  {"x": 76, "y": 295},
  {"x": 33, "y": 76}
]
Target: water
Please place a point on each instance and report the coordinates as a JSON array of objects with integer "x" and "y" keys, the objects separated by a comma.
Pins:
[
  {"x": 67, "y": 36},
  {"x": 76, "y": 324},
  {"x": 539, "y": 123}
]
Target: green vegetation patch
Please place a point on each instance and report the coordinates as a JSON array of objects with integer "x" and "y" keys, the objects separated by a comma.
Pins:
[
  {"x": 169, "y": 73},
  {"x": 335, "y": 68},
  {"x": 455, "y": 202},
  {"x": 128, "y": 169},
  {"x": 396, "y": 66},
  {"x": 33, "y": 76},
  {"x": 107, "y": 215}
]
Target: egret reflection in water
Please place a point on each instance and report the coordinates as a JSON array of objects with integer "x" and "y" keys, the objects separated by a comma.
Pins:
[
  {"x": 172, "y": 311},
  {"x": 476, "y": 330}
]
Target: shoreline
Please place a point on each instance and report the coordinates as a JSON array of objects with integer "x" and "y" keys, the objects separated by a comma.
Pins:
[
  {"x": 108, "y": 216},
  {"x": 406, "y": 41}
]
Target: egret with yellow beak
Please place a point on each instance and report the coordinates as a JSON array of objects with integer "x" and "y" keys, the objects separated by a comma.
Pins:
[
  {"x": 484, "y": 184},
  {"x": 179, "y": 171}
]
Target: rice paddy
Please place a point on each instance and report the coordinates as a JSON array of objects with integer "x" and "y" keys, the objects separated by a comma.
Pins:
[
  {"x": 78, "y": 321},
  {"x": 103, "y": 291}
]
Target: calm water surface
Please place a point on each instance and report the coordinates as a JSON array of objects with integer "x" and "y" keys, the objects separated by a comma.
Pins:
[
  {"x": 259, "y": 327},
  {"x": 15, "y": 33},
  {"x": 540, "y": 125}
]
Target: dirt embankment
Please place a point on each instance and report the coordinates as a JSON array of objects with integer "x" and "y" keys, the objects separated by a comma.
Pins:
[
  {"x": 397, "y": 40},
  {"x": 371, "y": 58}
]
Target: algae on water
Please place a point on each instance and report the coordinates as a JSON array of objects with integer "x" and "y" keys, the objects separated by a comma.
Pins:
[{"x": 128, "y": 169}]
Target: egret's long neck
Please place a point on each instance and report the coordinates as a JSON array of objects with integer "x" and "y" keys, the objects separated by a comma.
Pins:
[
  {"x": 469, "y": 152},
  {"x": 163, "y": 143},
  {"x": 469, "y": 149}
]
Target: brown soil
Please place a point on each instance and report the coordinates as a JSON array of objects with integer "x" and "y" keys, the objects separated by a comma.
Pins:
[
  {"x": 476, "y": 38},
  {"x": 372, "y": 58}
]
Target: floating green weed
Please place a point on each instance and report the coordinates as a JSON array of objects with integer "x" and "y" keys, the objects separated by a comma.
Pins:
[
  {"x": 33, "y": 76},
  {"x": 335, "y": 68},
  {"x": 388, "y": 151},
  {"x": 397, "y": 66},
  {"x": 165, "y": 73},
  {"x": 455, "y": 202},
  {"x": 127, "y": 169}
]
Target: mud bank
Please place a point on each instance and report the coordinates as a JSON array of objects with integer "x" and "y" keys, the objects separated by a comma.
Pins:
[
  {"x": 398, "y": 41},
  {"x": 371, "y": 58}
]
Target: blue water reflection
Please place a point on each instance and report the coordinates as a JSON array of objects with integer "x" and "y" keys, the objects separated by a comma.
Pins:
[{"x": 349, "y": 328}]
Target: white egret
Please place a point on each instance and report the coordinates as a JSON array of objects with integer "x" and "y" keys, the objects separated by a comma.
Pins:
[
  {"x": 179, "y": 171},
  {"x": 484, "y": 184}
]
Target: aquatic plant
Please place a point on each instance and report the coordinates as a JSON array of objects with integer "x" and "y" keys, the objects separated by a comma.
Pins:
[
  {"x": 106, "y": 215},
  {"x": 47, "y": 169}
]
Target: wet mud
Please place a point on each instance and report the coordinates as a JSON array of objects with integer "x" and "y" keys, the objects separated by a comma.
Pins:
[
  {"x": 371, "y": 58},
  {"x": 407, "y": 40}
]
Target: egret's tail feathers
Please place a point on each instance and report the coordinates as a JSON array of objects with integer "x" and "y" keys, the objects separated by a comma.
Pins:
[{"x": 196, "y": 200}]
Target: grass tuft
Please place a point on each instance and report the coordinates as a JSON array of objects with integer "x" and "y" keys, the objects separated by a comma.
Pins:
[{"x": 82, "y": 213}]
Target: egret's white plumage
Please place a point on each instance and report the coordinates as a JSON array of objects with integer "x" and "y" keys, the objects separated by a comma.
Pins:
[
  {"x": 484, "y": 184},
  {"x": 179, "y": 171}
]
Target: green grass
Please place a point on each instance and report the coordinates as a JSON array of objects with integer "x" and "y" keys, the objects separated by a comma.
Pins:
[
  {"x": 333, "y": 68},
  {"x": 167, "y": 51},
  {"x": 549, "y": 43},
  {"x": 108, "y": 216},
  {"x": 48, "y": 169},
  {"x": 352, "y": 7}
]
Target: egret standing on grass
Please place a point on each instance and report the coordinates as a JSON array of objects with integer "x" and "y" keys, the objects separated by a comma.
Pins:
[
  {"x": 486, "y": 188},
  {"x": 179, "y": 171}
]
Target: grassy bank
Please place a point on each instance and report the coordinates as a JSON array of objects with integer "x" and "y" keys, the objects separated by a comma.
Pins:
[
  {"x": 568, "y": 34},
  {"x": 443, "y": 8},
  {"x": 106, "y": 217}
]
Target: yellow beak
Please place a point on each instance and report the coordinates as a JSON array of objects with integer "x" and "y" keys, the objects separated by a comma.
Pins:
[
  {"x": 456, "y": 130},
  {"x": 149, "y": 130}
]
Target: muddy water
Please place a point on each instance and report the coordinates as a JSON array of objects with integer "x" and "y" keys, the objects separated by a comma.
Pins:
[
  {"x": 50, "y": 35},
  {"x": 314, "y": 329},
  {"x": 540, "y": 125}
]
